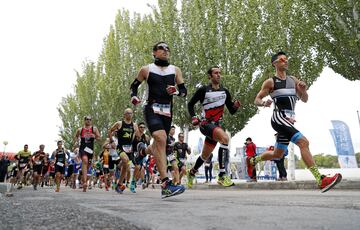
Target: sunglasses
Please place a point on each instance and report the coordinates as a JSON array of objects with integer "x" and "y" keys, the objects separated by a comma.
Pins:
[
  {"x": 181, "y": 136},
  {"x": 166, "y": 48},
  {"x": 142, "y": 127},
  {"x": 128, "y": 113},
  {"x": 282, "y": 59},
  {"x": 87, "y": 119}
]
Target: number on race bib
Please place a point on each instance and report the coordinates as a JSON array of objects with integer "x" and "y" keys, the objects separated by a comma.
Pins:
[{"x": 162, "y": 109}]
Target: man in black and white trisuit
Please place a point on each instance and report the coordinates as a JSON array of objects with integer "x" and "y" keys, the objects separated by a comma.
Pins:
[
  {"x": 213, "y": 98},
  {"x": 161, "y": 78},
  {"x": 285, "y": 91}
]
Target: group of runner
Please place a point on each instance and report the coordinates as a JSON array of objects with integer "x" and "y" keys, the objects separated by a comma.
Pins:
[{"x": 127, "y": 144}]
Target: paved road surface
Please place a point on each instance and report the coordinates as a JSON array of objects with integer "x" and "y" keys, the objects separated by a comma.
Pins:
[{"x": 195, "y": 209}]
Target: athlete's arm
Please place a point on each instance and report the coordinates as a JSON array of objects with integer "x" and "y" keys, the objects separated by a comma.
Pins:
[
  {"x": 136, "y": 131},
  {"x": 198, "y": 96},
  {"x": 230, "y": 105},
  {"x": 180, "y": 83},
  {"x": 301, "y": 90},
  {"x": 115, "y": 126},
  {"x": 142, "y": 75},
  {"x": 188, "y": 150},
  {"x": 97, "y": 133},
  {"x": 265, "y": 90},
  {"x": 76, "y": 137}
]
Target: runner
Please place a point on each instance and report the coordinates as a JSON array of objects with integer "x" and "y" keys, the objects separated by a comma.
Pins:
[
  {"x": 87, "y": 135},
  {"x": 77, "y": 166},
  {"x": 213, "y": 98},
  {"x": 181, "y": 149},
  {"x": 284, "y": 91},
  {"x": 38, "y": 164},
  {"x": 138, "y": 160},
  {"x": 23, "y": 158},
  {"x": 125, "y": 131},
  {"x": 172, "y": 165},
  {"x": 105, "y": 160},
  {"x": 59, "y": 156},
  {"x": 161, "y": 78}
]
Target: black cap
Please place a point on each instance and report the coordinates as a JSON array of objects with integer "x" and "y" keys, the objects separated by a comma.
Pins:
[{"x": 248, "y": 139}]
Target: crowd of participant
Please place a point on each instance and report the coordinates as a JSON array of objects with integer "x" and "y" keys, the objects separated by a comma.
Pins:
[{"x": 127, "y": 146}]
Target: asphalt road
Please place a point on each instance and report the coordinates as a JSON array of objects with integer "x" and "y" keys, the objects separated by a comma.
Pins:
[{"x": 194, "y": 209}]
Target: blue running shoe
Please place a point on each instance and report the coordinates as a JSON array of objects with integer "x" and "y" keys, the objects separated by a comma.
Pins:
[
  {"x": 120, "y": 188},
  {"x": 171, "y": 190},
  {"x": 132, "y": 186}
]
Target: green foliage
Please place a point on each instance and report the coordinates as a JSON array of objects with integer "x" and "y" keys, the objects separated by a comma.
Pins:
[
  {"x": 357, "y": 155},
  {"x": 239, "y": 36},
  {"x": 322, "y": 161}
]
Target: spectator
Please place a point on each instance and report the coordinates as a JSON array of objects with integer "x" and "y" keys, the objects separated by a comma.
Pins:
[
  {"x": 4, "y": 163},
  {"x": 250, "y": 150}
]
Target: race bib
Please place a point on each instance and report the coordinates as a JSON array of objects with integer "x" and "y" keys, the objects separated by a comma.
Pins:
[
  {"x": 207, "y": 164},
  {"x": 115, "y": 158},
  {"x": 290, "y": 115},
  {"x": 171, "y": 157},
  {"x": 127, "y": 148},
  {"x": 60, "y": 164},
  {"x": 182, "y": 160},
  {"x": 38, "y": 162},
  {"x": 88, "y": 150},
  {"x": 97, "y": 170},
  {"x": 162, "y": 109},
  {"x": 22, "y": 165},
  {"x": 106, "y": 166},
  {"x": 77, "y": 166}
]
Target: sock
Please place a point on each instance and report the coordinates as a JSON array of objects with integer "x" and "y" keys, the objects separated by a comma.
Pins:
[
  {"x": 165, "y": 179},
  {"x": 197, "y": 165},
  {"x": 258, "y": 158},
  {"x": 222, "y": 154},
  {"x": 315, "y": 171}
]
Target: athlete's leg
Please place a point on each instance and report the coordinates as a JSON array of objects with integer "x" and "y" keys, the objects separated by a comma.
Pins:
[
  {"x": 158, "y": 150},
  {"x": 175, "y": 172},
  {"x": 84, "y": 169}
]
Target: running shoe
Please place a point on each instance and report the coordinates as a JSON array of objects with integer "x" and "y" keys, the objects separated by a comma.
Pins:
[
  {"x": 132, "y": 187},
  {"x": 190, "y": 178},
  {"x": 120, "y": 188},
  {"x": 225, "y": 181},
  {"x": 169, "y": 189},
  {"x": 329, "y": 182},
  {"x": 253, "y": 161}
]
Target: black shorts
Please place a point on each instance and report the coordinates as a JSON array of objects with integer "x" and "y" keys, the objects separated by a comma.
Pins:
[
  {"x": 38, "y": 168},
  {"x": 106, "y": 170},
  {"x": 60, "y": 169},
  {"x": 52, "y": 174},
  {"x": 70, "y": 170},
  {"x": 207, "y": 130},
  {"x": 82, "y": 153},
  {"x": 286, "y": 131},
  {"x": 156, "y": 122}
]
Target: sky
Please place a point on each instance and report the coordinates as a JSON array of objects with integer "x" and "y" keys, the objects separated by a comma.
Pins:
[{"x": 44, "y": 42}]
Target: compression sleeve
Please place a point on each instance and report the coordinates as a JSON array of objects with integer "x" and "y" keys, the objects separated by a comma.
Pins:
[
  {"x": 134, "y": 87},
  {"x": 182, "y": 90},
  {"x": 229, "y": 104},
  {"x": 198, "y": 96}
]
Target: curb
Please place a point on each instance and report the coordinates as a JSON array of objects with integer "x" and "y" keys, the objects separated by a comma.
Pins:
[{"x": 278, "y": 185}]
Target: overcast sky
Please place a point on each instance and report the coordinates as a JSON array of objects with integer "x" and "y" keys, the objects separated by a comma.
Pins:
[{"x": 43, "y": 42}]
